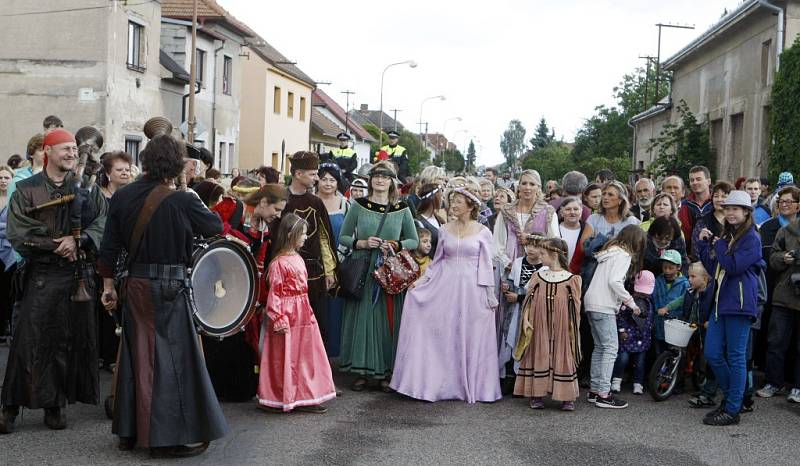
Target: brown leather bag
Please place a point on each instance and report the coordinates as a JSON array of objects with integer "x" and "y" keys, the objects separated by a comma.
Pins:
[{"x": 398, "y": 272}]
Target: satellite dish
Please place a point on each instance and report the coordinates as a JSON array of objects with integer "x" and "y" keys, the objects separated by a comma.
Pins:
[{"x": 157, "y": 126}]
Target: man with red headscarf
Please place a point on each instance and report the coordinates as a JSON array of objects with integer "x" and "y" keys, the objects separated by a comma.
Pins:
[{"x": 53, "y": 356}]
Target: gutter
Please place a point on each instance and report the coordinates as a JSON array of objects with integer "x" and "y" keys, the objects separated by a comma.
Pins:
[
  {"x": 214, "y": 102},
  {"x": 781, "y": 30}
]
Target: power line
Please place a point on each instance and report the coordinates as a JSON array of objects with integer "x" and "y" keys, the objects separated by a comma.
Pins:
[{"x": 68, "y": 10}]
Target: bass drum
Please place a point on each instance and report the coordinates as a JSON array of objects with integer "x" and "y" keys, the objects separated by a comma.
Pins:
[{"x": 224, "y": 288}]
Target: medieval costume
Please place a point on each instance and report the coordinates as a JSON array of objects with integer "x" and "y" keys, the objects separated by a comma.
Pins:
[
  {"x": 164, "y": 396},
  {"x": 549, "y": 344},
  {"x": 319, "y": 250},
  {"x": 371, "y": 323},
  {"x": 294, "y": 367},
  {"x": 53, "y": 357},
  {"x": 446, "y": 348}
]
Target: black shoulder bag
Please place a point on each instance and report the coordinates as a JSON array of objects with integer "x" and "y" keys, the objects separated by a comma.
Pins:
[{"x": 353, "y": 270}]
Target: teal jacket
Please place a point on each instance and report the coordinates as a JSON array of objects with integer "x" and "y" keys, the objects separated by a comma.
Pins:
[{"x": 670, "y": 297}]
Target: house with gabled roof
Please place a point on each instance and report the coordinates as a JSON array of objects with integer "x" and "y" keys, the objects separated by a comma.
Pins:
[
  {"x": 725, "y": 76},
  {"x": 328, "y": 119}
]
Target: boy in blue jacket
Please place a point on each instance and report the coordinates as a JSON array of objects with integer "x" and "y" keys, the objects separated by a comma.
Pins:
[{"x": 668, "y": 296}]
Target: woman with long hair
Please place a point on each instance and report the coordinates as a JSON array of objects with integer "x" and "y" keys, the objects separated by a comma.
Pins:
[
  {"x": 620, "y": 259},
  {"x": 371, "y": 323},
  {"x": 714, "y": 221},
  {"x": 734, "y": 259}
]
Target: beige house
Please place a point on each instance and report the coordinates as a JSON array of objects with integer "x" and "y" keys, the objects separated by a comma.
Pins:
[
  {"x": 726, "y": 76},
  {"x": 103, "y": 71},
  {"x": 220, "y": 38},
  {"x": 276, "y": 113}
]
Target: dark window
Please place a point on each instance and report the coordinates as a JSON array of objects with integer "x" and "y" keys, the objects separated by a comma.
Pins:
[
  {"x": 135, "y": 46},
  {"x": 132, "y": 147},
  {"x": 200, "y": 66},
  {"x": 765, "y": 62},
  {"x": 227, "y": 75}
]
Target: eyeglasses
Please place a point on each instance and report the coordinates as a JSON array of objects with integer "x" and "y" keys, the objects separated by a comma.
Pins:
[{"x": 787, "y": 202}]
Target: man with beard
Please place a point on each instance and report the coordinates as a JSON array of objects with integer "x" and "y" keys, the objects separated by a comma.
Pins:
[
  {"x": 318, "y": 252},
  {"x": 164, "y": 399},
  {"x": 645, "y": 191},
  {"x": 53, "y": 357}
]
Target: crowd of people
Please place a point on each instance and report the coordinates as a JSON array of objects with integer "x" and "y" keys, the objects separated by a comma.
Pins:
[{"x": 508, "y": 286}]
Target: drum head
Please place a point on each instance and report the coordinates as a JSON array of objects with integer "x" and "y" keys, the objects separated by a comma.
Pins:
[{"x": 224, "y": 287}]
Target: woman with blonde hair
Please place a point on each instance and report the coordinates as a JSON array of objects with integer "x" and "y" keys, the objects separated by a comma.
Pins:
[
  {"x": 374, "y": 225},
  {"x": 614, "y": 213}
]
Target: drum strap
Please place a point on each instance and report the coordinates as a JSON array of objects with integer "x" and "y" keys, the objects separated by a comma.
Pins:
[{"x": 151, "y": 203}]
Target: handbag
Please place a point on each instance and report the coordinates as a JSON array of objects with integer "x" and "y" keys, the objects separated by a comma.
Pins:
[
  {"x": 399, "y": 270},
  {"x": 353, "y": 270}
]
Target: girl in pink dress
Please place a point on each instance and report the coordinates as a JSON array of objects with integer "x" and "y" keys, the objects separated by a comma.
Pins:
[{"x": 295, "y": 373}]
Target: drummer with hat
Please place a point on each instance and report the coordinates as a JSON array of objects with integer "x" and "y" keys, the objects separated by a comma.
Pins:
[
  {"x": 396, "y": 154},
  {"x": 164, "y": 399}
]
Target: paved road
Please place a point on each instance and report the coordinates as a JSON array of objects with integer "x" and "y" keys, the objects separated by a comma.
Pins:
[{"x": 376, "y": 428}]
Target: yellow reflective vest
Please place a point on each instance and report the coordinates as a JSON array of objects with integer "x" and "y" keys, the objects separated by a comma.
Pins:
[{"x": 346, "y": 152}]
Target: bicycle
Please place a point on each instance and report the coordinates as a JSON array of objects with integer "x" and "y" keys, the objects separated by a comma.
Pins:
[{"x": 663, "y": 375}]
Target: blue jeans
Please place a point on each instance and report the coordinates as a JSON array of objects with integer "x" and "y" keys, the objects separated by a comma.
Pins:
[
  {"x": 638, "y": 365},
  {"x": 606, "y": 343},
  {"x": 726, "y": 353}
]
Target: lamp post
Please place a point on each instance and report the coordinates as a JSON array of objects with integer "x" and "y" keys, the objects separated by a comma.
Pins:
[
  {"x": 421, "y": 139},
  {"x": 410, "y": 63}
]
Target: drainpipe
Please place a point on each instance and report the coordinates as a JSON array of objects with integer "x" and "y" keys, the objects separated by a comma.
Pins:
[
  {"x": 214, "y": 105},
  {"x": 779, "y": 41}
]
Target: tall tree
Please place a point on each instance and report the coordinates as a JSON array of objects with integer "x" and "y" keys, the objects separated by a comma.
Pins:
[
  {"x": 471, "y": 156},
  {"x": 784, "y": 153},
  {"x": 452, "y": 160},
  {"x": 542, "y": 137},
  {"x": 512, "y": 145}
]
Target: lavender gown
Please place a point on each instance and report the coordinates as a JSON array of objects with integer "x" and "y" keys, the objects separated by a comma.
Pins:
[{"x": 447, "y": 348}]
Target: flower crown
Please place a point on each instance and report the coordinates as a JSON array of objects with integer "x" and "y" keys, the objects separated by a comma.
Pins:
[{"x": 468, "y": 195}]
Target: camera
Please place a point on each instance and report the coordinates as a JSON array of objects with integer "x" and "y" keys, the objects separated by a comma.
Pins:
[{"x": 794, "y": 279}]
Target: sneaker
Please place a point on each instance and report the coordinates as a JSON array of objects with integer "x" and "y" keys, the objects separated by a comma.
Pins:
[
  {"x": 714, "y": 412},
  {"x": 721, "y": 419},
  {"x": 536, "y": 403},
  {"x": 701, "y": 401},
  {"x": 616, "y": 385},
  {"x": 638, "y": 389},
  {"x": 568, "y": 406},
  {"x": 591, "y": 397},
  {"x": 768, "y": 391},
  {"x": 794, "y": 396},
  {"x": 610, "y": 402}
]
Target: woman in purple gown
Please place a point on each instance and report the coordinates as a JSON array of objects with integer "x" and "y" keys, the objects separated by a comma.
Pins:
[{"x": 447, "y": 348}]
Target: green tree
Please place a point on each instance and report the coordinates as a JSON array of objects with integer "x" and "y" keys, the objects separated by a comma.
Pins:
[
  {"x": 471, "y": 156},
  {"x": 543, "y": 136},
  {"x": 637, "y": 91},
  {"x": 512, "y": 145},
  {"x": 452, "y": 160},
  {"x": 551, "y": 161},
  {"x": 784, "y": 154},
  {"x": 682, "y": 145},
  {"x": 605, "y": 138}
]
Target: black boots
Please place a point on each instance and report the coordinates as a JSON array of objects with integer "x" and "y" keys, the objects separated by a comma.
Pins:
[
  {"x": 55, "y": 419},
  {"x": 7, "y": 417}
]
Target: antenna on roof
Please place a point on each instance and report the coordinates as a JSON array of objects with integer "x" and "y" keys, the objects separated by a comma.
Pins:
[{"x": 658, "y": 55}]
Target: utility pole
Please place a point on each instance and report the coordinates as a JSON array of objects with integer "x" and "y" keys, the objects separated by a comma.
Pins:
[
  {"x": 394, "y": 112},
  {"x": 647, "y": 79},
  {"x": 658, "y": 56},
  {"x": 192, "y": 76},
  {"x": 347, "y": 110}
]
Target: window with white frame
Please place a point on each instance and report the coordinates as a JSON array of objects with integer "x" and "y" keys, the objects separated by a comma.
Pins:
[{"x": 136, "y": 46}]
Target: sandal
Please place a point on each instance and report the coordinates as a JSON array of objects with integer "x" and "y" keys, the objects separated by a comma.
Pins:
[{"x": 359, "y": 385}]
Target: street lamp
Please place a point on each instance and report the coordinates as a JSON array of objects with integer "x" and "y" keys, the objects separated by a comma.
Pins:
[
  {"x": 410, "y": 63},
  {"x": 421, "y": 139}
]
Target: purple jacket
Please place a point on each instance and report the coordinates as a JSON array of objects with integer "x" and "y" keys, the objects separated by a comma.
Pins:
[{"x": 638, "y": 338}]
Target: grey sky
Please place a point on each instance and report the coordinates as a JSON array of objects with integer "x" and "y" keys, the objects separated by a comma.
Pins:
[{"x": 494, "y": 61}]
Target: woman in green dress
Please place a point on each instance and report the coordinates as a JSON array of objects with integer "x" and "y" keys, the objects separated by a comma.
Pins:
[{"x": 371, "y": 323}]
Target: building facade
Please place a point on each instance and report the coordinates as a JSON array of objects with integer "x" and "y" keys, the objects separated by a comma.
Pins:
[{"x": 725, "y": 76}]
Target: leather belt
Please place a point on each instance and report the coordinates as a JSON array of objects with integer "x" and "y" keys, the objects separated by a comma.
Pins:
[{"x": 159, "y": 271}]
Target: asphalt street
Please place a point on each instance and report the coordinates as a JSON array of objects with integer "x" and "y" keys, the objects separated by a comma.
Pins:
[{"x": 379, "y": 428}]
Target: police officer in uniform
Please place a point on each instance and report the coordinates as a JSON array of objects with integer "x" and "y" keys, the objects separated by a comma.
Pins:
[
  {"x": 344, "y": 156},
  {"x": 396, "y": 154}
]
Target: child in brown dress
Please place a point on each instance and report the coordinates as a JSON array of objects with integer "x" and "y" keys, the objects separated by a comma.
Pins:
[{"x": 549, "y": 344}]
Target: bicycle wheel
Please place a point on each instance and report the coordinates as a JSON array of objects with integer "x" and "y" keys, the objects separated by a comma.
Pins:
[{"x": 663, "y": 375}]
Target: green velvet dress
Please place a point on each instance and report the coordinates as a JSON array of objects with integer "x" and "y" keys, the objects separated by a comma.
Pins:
[{"x": 370, "y": 324}]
